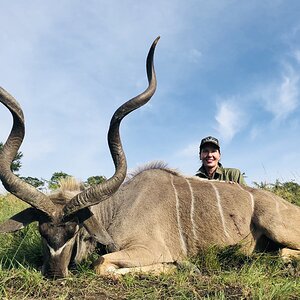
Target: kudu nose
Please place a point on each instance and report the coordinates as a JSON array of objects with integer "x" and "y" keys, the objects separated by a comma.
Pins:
[{"x": 54, "y": 273}]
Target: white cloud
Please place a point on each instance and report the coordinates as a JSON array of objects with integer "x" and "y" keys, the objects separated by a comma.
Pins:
[
  {"x": 70, "y": 76},
  {"x": 230, "y": 119},
  {"x": 282, "y": 100}
]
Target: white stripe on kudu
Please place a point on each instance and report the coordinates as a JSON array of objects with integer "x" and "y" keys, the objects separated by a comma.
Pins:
[
  {"x": 250, "y": 194},
  {"x": 59, "y": 250},
  {"x": 192, "y": 209},
  {"x": 220, "y": 209},
  {"x": 278, "y": 204},
  {"x": 182, "y": 241},
  {"x": 56, "y": 252}
]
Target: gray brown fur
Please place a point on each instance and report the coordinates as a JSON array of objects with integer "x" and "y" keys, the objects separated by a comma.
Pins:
[{"x": 162, "y": 217}]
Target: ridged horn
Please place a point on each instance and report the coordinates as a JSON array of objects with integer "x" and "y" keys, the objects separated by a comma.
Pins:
[
  {"x": 101, "y": 192},
  {"x": 11, "y": 182}
]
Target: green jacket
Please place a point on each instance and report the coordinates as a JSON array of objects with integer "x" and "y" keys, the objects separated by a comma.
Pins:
[{"x": 225, "y": 174}]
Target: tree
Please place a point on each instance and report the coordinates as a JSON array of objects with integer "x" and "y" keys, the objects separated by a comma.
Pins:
[
  {"x": 16, "y": 163},
  {"x": 37, "y": 183},
  {"x": 53, "y": 183},
  {"x": 94, "y": 180}
]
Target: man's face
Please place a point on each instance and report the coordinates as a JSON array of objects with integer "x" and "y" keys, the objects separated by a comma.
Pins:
[{"x": 210, "y": 156}]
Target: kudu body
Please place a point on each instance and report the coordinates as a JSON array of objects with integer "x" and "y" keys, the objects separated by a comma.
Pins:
[
  {"x": 157, "y": 217},
  {"x": 160, "y": 216}
]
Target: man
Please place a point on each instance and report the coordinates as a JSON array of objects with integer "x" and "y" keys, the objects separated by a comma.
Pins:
[{"x": 211, "y": 167}]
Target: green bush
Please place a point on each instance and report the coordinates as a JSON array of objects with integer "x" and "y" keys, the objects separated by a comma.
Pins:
[
  {"x": 22, "y": 247},
  {"x": 289, "y": 190}
]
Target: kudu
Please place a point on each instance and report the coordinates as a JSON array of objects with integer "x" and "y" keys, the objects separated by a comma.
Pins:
[{"x": 154, "y": 219}]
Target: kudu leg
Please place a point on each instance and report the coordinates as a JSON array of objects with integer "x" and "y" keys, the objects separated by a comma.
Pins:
[
  {"x": 133, "y": 260},
  {"x": 287, "y": 254},
  {"x": 284, "y": 229},
  {"x": 155, "y": 269}
]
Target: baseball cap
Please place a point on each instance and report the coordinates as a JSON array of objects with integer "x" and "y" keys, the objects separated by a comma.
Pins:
[{"x": 209, "y": 140}]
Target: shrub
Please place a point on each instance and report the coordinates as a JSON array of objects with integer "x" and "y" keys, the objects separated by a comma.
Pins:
[{"x": 289, "y": 190}]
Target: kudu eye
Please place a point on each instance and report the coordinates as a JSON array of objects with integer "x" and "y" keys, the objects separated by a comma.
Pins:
[
  {"x": 70, "y": 229},
  {"x": 44, "y": 229}
]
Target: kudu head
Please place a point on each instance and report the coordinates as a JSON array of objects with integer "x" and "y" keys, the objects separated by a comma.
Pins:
[{"x": 63, "y": 215}]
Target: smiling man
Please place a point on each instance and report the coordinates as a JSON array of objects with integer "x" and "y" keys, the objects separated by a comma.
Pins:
[{"x": 211, "y": 168}]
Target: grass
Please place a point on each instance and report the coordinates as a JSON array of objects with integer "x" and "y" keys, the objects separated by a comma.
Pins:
[{"x": 224, "y": 274}]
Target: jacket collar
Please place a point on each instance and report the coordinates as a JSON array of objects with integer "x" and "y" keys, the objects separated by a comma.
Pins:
[{"x": 218, "y": 171}]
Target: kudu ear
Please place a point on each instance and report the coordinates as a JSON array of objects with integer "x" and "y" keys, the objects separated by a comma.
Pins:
[
  {"x": 95, "y": 229},
  {"x": 20, "y": 220}
]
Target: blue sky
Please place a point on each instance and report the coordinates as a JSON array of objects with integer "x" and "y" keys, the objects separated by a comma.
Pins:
[{"x": 225, "y": 68}]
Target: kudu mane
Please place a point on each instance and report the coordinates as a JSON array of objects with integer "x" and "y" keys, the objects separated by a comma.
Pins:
[
  {"x": 154, "y": 165},
  {"x": 69, "y": 187}
]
